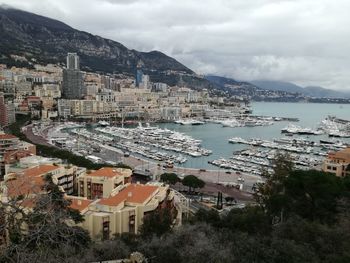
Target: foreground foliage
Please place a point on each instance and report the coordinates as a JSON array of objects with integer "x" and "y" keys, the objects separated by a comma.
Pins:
[
  {"x": 43, "y": 226},
  {"x": 299, "y": 216}
]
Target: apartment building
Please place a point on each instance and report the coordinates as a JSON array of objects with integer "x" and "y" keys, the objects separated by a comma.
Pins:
[
  {"x": 338, "y": 163},
  {"x": 114, "y": 205},
  {"x": 63, "y": 175},
  {"x": 7, "y": 112},
  {"x": 100, "y": 183},
  {"x": 124, "y": 210},
  {"x": 8, "y": 142}
]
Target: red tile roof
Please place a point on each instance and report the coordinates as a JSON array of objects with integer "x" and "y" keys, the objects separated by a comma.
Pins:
[
  {"x": 80, "y": 204},
  {"x": 133, "y": 193},
  {"x": 106, "y": 172},
  {"x": 28, "y": 202},
  {"x": 29, "y": 181},
  {"x": 39, "y": 170},
  {"x": 7, "y": 136},
  {"x": 24, "y": 186}
]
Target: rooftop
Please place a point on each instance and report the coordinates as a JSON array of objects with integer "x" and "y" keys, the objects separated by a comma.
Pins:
[
  {"x": 342, "y": 154},
  {"x": 39, "y": 170},
  {"x": 80, "y": 204},
  {"x": 24, "y": 186},
  {"x": 5, "y": 136},
  {"x": 106, "y": 172},
  {"x": 133, "y": 193}
]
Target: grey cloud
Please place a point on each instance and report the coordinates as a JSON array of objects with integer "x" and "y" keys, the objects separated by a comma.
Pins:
[{"x": 303, "y": 41}]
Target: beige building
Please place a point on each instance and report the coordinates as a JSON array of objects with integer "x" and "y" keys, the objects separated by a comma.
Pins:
[
  {"x": 63, "y": 175},
  {"x": 338, "y": 163},
  {"x": 124, "y": 210},
  {"x": 48, "y": 90},
  {"x": 100, "y": 183}
]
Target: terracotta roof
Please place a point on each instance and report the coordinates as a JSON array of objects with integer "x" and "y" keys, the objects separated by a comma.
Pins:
[
  {"x": 342, "y": 155},
  {"x": 80, "y": 204},
  {"x": 15, "y": 155},
  {"x": 29, "y": 181},
  {"x": 106, "y": 172},
  {"x": 24, "y": 186},
  {"x": 7, "y": 136},
  {"x": 133, "y": 193},
  {"x": 28, "y": 202},
  {"x": 39, "y": 170}
]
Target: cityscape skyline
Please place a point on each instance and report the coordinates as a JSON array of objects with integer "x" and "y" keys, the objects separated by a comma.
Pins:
[
  {"x": 298, "y": 41},
  {"x": 139, "y": 153}
]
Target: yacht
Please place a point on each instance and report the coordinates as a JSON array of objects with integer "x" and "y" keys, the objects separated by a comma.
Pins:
[
  {"x": 189, "y": 122},
  {"x": 103, "y": 123}
]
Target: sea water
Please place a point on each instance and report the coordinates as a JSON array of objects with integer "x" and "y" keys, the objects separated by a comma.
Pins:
[{"x": 215, "y": 137}]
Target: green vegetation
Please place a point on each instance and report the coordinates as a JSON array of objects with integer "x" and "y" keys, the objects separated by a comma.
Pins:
[
  {"x": 81, "y": 161},
  {"x": 169, "y": 178},
  {"x": 15, "y": 128},
  {"x": 156, "y": 223},
  {"x": 298, "y": 216},
  {"x": 193, "y": 182},
  {"x": 47, "y": 225}
]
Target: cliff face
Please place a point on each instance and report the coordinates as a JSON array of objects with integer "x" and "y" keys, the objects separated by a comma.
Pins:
[{"x": 49, "y": 40}]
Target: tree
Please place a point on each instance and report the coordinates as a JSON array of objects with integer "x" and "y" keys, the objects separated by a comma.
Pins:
[
  {"x": 210, "y": 217},
  {"x": 170, "y": 178},
  {"x": 157, "y": 223},
  {"x": 251, "y": 219},
  {"x": 270, "y": 194},
  {"x": 193, "y": 182},
  {"x": 313, "y": 195},
  {"x": 49, "y": 222},
  {"x": 47, "y": 228}
]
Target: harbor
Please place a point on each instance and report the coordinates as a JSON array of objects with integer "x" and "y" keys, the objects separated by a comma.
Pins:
[
  {"x": 230, "y": 157},
  {"x": 195, "y": 146}
]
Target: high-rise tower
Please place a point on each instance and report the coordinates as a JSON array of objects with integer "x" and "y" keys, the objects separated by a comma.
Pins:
[
  {"x": 73, "y": 86},
  {"x": 139, "y": 75},
  {"x": 73, "y": 61}
]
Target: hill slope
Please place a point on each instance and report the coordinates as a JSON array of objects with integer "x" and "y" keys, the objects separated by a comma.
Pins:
[
  {"x": 49, "y": 40},
  {"x": 307, "y": 91}
]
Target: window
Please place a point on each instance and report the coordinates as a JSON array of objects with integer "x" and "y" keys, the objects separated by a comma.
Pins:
[
  {"x": 105, "y": 228},
  {"x": 97, "y": 190}
]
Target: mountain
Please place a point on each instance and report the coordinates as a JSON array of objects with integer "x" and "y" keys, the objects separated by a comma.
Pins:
[
  {"x": 250, "y": 91},
  {"x": 311, "y": 91},
  {"x": 47, "y": 41},
  {"x": 277, "y": 85},
  {"x": 229, "y": 84},
  {"x": 315, "y": 91}
]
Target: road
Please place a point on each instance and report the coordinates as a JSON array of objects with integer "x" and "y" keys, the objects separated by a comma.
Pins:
[{"x": 215, "y": 179}]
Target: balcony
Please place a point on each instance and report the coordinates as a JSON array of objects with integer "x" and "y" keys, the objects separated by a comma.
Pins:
[{"x": 150, "y": 206}]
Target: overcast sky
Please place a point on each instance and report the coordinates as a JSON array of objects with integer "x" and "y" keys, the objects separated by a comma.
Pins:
[{"x": 301, "y": 41}]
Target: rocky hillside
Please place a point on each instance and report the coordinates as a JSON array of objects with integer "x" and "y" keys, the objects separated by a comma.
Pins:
[
  {"x": 252, "y": 92},
  {"x": 49, "y": 40},
  {"x": 310, "y": 91}
]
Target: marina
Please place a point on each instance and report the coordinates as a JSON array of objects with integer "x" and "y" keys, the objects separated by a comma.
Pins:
[
  {"x": 303, "y": 153},
  {"x": 331, "y": 126},
  {"x": 294, "y": 129},
  {"x": 150, "y": 142},
  {"x": 197, "y": 146},
  {"x": 249, "y": 121}
]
